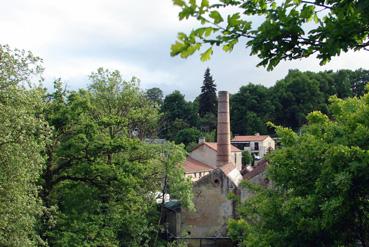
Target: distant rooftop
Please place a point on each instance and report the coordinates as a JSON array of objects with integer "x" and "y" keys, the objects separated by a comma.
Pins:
[
  {"x": 214, "y": 146},
  {"x": 253, "y": 138},
  {"x": 259, "y": 168},
  {"x": 191, "y": 165}
]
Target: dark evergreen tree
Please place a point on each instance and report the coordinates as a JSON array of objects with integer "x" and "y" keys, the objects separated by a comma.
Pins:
[{"x": 208, "y": 96}]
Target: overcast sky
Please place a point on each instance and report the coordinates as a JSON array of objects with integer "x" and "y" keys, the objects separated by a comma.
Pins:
[{"x": 75, "y": 37}]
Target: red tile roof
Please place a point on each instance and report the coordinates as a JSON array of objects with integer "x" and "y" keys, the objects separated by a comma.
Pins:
[
  {"x": 191, "y": 165},
  {"x": 214, "y": 146},
  {"x": 259, "y": 168},
  {"x": 227, "y": 168},
  {"x": 254, "y": 138}
]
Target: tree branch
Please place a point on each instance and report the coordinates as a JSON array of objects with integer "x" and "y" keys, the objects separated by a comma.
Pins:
[
  {"x": 317, "y": 4},
  {"x": 7, "y": 142},
  {"x": 90, "y": 181},
  {"x": 238, "y": 33},
  {"x": 364, "y": 46}
]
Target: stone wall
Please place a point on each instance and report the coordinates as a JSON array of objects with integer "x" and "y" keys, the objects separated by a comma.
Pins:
[
  {"x": 213, "y": 209},
  {"x": 259, "y": 179}
]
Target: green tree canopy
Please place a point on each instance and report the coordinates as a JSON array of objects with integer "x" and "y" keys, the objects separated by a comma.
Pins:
[
  {"x": 298, "y": 94},
  {"x": 188, "y": 136},
  {"x": 351, "y": 83},
  {"x": 177, "y": 114},
  {"x": 275, "y": 30},
  {"x": 100, "y": 177},
  {"x": 23, "y": 136},
  {"x": 289, "y": 101},
  {"x": 122, "y": 102},
  {"x": 247, "y": 158},
  {"x": 320, "y": 186},
  {"x": 155, "y": 94},
  {"x": 251, "y": 108}
]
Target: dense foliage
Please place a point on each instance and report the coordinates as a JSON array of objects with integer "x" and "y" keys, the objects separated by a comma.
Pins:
[
  {"x": 275, "y": 30},
  {"x": 74, "y": 167},
  {"x": 185, "y": 121},
  {"x": 286, "y": 103},
  {"x": 100, "y": 178},
  {"x": 251, "y": 107},
  {"x": 177, "y": 114},
  {"x": 23, "y": 136},
  {"x": 155, "y": 95},
  {"x": 320, "y": 183},
  {"x": 289, "y": 101},
  {"x": 78, "y": 168},
  {"x": 247, "y": 158}
]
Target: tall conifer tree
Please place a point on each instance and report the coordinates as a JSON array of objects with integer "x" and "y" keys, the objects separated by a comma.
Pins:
[{"x": 208, "y": 96}]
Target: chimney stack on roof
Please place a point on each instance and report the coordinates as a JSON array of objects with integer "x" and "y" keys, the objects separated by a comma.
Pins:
[
  {"x": 202, "y": 140},
  {"x": 223, "y": 130}
]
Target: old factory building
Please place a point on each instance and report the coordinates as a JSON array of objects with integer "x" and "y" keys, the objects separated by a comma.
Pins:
[{"x": 215, "y": 169}]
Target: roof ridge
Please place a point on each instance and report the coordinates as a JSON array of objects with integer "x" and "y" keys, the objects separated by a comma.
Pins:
[
  {"x": 189, "y": 157},
  {"x": 209, "y": 144}
]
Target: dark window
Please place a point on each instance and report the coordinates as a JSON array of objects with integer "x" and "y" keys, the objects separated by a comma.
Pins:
[
  {"x": 241, "y": 145},
  {"x": 256, "y": 146},
  {"x": 238, "y": 145}
]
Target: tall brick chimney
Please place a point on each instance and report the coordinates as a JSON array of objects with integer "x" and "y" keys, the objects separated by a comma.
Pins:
[{"x": 223, "y": 130}]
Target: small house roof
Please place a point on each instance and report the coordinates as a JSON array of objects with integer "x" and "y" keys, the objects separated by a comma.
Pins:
[
  {"x": 232, "y": 173},
  {"x": 214, "y": 146},
  {"x": 191, "y": 165},
  {"x": 253, "y": 138},
  {"x": 259, "y": 168},
  {"x": 227, "y": 168}
]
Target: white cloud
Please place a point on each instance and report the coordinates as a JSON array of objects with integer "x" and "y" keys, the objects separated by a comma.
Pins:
[
  {"x": 36, "y": 23},
  {"x": 77, "y": 36},
  {"x": 80, "y": 69}
]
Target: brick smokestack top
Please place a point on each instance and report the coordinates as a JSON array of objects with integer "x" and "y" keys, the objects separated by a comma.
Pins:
[{"x": 223, "y": 129}]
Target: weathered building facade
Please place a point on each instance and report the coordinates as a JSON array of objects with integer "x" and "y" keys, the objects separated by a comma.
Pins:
[
  {"x": 258, "y": 145},
  {"x": 215, "y": 169},
  {"x": 213, "y": 208},
  {"x": 203, "y": 159}
]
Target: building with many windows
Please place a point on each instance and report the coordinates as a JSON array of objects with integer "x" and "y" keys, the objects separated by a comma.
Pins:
[{"x": 258, "y": 145}]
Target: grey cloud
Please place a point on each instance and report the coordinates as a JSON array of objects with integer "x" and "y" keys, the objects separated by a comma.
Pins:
[{"x": 135, "y": 37}]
